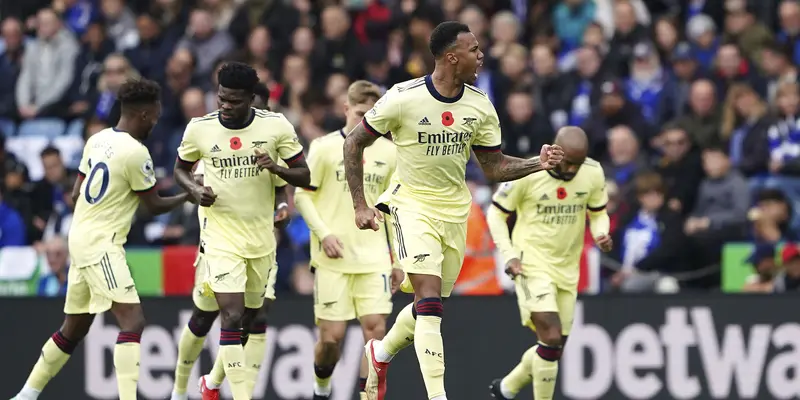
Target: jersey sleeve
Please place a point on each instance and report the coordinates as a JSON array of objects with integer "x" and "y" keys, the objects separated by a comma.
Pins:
[
  {"x": 599, "y": 196},
  {"x": 189, "y": 151},
  {"x": 487, "y": 138},
  {"x": 289, "y": 147},
  {"x": 384, "y": 115},
  {"x": 139, "y": 170},
  {"x": 316, "y": 164},
  {"x": 507, "y": 196}
]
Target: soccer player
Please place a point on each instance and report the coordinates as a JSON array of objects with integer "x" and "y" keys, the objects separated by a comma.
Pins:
[
  {"x": 206, "y": 309},
  {"x": 543, "y": 254},
  {"x": 237, "y": 145},
  {"x": 434, "y": 121},
  {"x": 116, "y": 173},
  {"x": 353, "y": 276}
]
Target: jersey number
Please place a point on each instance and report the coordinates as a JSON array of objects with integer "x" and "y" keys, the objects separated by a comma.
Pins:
[{"x": 100, "y": 167}]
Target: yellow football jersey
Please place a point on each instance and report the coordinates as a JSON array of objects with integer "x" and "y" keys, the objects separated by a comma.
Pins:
[
  {"x": 433, "y": 135},
  {"x": 241, "y": 219},
  {"x": 114, "y": 167},
  {"x": 364, "y": 250},
  {"x": 551, "y": 218}
]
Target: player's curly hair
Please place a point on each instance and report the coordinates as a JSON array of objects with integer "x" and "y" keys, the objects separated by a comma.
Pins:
[
  {"x": 444, "y": 36},
  {"x": 260, "y": 90},
  {"x": 139, "y": 92},
  {"x": 236, "y": 75}
]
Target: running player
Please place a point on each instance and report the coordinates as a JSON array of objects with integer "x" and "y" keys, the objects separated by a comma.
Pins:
[
  {"x": 205, "y": 311},
  {"x": 543, "y": 254},
  {"x": 236, "y": 144},
  {"x": 352, "y": 268},
  {"x": 115, "y": 174},
  {"x": 434, "y": 121}
]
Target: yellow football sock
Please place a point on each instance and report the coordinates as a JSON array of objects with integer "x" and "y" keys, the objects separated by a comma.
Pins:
[
  {"x": 231, "y": 354},
  {"x": 545, "y": 370},
  {"x": 189, "y": 349},
  {"x": 217, "y": 374},
  {"x": 55, "y": 353},
  {"x": 401, "y": 335},
  {"x": 126, "y": 364},
  {"x": 520, "y": 376},
  {"x": 429, "y": 346},
  {"x": 254, "y": 355}
]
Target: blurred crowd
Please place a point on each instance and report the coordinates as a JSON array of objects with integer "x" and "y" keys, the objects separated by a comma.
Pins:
[{"x": 691, "y": 106}]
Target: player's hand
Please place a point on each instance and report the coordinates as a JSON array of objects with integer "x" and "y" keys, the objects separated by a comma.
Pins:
[
  {"x": 604, "y": 242},
  {"x": 282, "y": 215},
  {"x": 368, "y": 218},
  {"x": 550, "y": 156},
  {"x": 514, "y": 267},
  {"x": 333, "y": 247},
  {"x": 204, "y": 196},
  {"x": 264, "y": 161},
  {"x": 397, "y": 278}
]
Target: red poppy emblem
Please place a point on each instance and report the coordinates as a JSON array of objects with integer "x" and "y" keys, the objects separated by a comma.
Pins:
[
  {"x": 447, "y": 118},
  {"x": 236, "y": 143},
  {"x": 561, "y": 193}
]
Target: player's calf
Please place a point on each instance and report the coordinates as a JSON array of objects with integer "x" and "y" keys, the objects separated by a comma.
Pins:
[
  {"x": 189, "y": 348},
  {"x": 130, "y": 318},
  {"x": 231, "y": 353},
  {"x": 548, "y": 352},
  {"x": 326, "y": 355},
  {"x": 373, "y": 327}
]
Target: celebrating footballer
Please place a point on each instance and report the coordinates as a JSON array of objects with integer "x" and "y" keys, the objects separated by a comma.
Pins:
[
  {"x": 434, "y": 121},
  {"x": 543, "y": 253}
]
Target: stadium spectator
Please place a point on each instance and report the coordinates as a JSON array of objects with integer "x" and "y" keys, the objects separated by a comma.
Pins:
[
  {"x": 206, "y": 43},
  {"x": 720, "y": 212},
  {"x": 54, "y": 283},
  {"x": 338, "y": 51},
  {"x": 11, "y": 57},
  {"x": 701, "y": 31},
  {"x": 648, "y": 239},
  {"x": 183, "y": 227},
  {"x": 582, "y": 86},
  {"x": 549, "y": 86},
  {"x": 606, "y": 15},
  {"x": 120, "y": 24},
  {"x": 505, "y": 32},
  {"x": 789, "y": 17},
  {"x": 48, "y": 195},
  {"x": 777, "y": 64},
  {"x": 646, "y": 83},
  {"x": 77, "y": 14},
  {"x": 681, "y": 169},
  {"x": 615, "y": 109},
  {"x": 744, "y": 127},
  {"x": 155, "y": 47},
  {"x": 570, "y": 19},
  {"x": 95, "y": 48},
  {"x": 732, "y": 68},
  {"x": 702, "y": 121},
  {"x": 666, "y": 38},
  {"x": 771, "y": 217},
  {"x": 627, "y": 34},
  {"x": 527, "y": 128},
  {"x": 763, "y": 261},
  {"x": 47, "y": 68},
  {"x": 625, "y": 160},
  {"x": 750, "y": 35},
  {"x": 677, "y": 88},
  {"x": 11, "y": 225},
  {"x": 16, "y": 193}
]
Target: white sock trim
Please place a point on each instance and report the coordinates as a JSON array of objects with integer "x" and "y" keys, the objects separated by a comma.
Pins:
[
  {"x": 381, "y": 355},
  {"x": 29, "y": 393},
  {"x": 442, "y": 397},
  {"x": 322, "y": 390},
  {"x": 210, "y": 384},
  {"x": 505, "y": 391}
]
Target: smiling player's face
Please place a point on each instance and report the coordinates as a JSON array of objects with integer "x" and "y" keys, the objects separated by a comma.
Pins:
[
  {"x": 470, "y": 57},
  {"x": 234, "y": 104}
]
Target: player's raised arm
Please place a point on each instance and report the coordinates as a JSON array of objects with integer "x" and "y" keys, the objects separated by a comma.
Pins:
[{"x": 499, "y": 167}]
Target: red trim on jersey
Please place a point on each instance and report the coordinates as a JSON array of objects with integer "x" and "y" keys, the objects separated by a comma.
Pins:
[
  {"x": 370, "y": 129},
  {"x": 295, "y": 158},
  {"x": 486, "y": 149},
  {"x": 141, "y": 192}
]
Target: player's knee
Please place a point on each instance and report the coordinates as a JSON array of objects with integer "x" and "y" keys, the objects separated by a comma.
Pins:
[
  {"x": 201, "y": 321},
  {"x": 130, "y": 317},
  {"x": 259, "y": 323},
  {"x": 551, "y": 337},
  {"x": 231, "y": 318},
  {"x": 374, "y": 328}
]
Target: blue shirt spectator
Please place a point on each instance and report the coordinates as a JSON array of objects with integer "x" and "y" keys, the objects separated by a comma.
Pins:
[
  {"x": 12, "y": 228},
  {"x": 79, "y": 14},
  {"x": 57, "y": 255}
]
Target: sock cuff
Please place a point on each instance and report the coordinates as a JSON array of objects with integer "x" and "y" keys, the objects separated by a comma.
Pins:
[
  {"x": 323, "y": 371},
  {"x": 362, "y": 384},
  {"x": 430, "y": 306},
  {"x": 64, "y": 344},
  {"x": 414, "y": 311},
  {"x": 230, "y": 337},
  {"x": 548, "y": 353},
  {"x": 128, "y": 337},
  {"x": 196, "y": 329}
]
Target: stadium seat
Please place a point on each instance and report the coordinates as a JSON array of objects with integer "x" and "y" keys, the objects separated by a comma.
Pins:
[
  {"x": 44, "y": 127},
  {"x": 75, "y": 128},
  {"x": 71, "y": 148},
  {"x": 8, "y": 127},
  {"x": 28, "y": 150}
]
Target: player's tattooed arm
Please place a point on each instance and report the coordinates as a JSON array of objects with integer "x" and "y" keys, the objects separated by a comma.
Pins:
[
  {"x": 354, "y": 145},
  {"x": 499, "y": 167}
]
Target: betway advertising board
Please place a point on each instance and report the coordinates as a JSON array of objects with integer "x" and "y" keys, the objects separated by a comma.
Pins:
[{"x": 622, "y": 347}]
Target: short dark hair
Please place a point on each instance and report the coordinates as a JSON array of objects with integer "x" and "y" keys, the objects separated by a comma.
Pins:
[
  {"x": 50, "y": 151},
  {"x": 236, "y": 75},
  {"x": 649, "y": 181},
  {"x": 716, "y": 148},
  {"x": 139, "y": 92},
  {"x": 771, "y": 195},
  {"x": 783, "y": 50},
  {"x": 261, "y": 90},
  {"x": 444, "y": 36}
]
